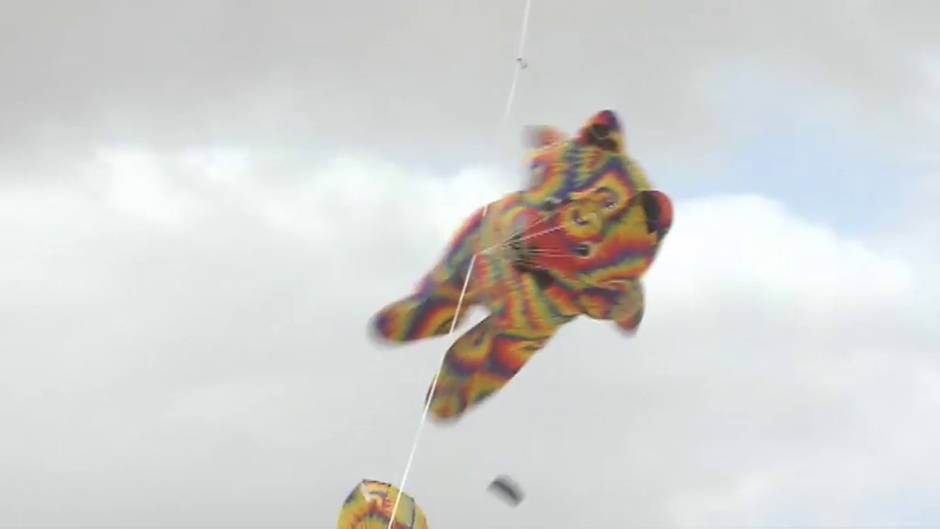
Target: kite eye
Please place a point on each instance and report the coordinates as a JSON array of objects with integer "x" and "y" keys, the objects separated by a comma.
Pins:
[
  {"x": 582, "y": 250},
  {"x": 609, "y": 203},
  {"x": 551, "y": 204}
]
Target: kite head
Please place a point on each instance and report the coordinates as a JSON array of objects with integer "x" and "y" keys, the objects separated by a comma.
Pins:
[
  {"x": 562, "y": 166},
  {"x": 601, "y": 220},
  {"x": 600, "y": 237}
]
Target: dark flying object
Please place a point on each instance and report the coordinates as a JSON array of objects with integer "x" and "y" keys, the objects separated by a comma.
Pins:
[{"x": 507, "y": 489}]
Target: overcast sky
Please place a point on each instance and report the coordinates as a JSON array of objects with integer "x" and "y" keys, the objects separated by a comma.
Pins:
[{"x": 203, "y": 203}]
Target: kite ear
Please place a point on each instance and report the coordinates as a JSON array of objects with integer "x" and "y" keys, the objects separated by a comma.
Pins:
[
  {"x": 539, "y": 136},
  {"x": 603, "y": 131},
  {"x": 657, "y": 208}
]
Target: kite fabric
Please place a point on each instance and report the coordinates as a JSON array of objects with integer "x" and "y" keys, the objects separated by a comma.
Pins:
[
  {"x": 576, "y": 241},
  {"x": 370, "y": 504}
]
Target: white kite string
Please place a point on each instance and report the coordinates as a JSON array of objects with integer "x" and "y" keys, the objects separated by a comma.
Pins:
[
  {"x": 427, "y": 405},
  {"x": 519, "y": 66},
  {"x": 520, "y": 59}
]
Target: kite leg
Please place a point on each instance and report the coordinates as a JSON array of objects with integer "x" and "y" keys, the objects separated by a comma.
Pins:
[
  {"x": 623, "y": 304},
  {"x": 629, "y": 308},
  {"x": 427, "y": 313},
  {"x": 431, "y": 309},
  {"x": 479, "y": 364}
]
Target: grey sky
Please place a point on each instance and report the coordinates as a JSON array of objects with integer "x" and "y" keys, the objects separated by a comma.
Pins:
[
  {"x": 203, "y": 203},
  {"x": 400, "y": 76}
]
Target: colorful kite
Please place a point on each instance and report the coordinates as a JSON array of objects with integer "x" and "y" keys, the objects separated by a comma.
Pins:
[
  {"x": 370, "y": 504},
  {"x": 575, "y": 242}
]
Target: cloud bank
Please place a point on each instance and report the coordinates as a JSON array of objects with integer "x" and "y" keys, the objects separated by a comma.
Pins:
[{"x": 184, "y": 343}]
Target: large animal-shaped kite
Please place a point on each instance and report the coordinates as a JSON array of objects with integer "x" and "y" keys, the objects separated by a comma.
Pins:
[
  {"x": 576, "y": 241},
  {"x": 370, "y": 505}
]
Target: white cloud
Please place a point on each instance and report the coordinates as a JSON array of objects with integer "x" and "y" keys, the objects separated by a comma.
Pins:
[
  {"x": 781, "y": 375},
  {"x": 752, "y": 248},
  {"x": 137, "y": 184}
]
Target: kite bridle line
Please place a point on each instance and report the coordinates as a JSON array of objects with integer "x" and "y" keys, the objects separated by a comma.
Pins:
[{"x": 520, "y": 64}]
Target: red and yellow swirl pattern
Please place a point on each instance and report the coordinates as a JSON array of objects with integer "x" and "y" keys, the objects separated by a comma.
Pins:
[
  {"x": 370, "y": 505},
  {"x": 576, "y": 242}
]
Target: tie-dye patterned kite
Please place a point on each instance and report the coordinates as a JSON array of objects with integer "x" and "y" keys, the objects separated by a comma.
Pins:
[
  {"x": 576, "y": 241},
  {"x": 370, "y": 504}
]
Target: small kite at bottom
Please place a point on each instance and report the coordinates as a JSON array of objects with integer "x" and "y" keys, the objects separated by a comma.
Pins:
[
  {"x": 507, "y": 489},
  {"x": 370, "y": 504}
]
